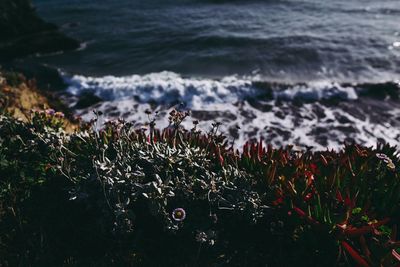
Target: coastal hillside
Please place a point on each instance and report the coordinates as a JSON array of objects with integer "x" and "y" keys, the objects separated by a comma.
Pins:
[
  {"x": 199, "y": 133},
  {"x": 20, "y": 96}
]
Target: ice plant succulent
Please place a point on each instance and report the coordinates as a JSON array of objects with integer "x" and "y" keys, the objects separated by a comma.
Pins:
[
  {"x": 329, "y": 201},
  {"x": 179, "y": 214}
]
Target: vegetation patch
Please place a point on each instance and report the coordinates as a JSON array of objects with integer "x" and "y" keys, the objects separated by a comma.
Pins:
[{"x": 122, "y": 196}]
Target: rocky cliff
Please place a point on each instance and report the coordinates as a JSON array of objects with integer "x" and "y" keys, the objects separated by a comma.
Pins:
[{"x": 22, "y": 32}]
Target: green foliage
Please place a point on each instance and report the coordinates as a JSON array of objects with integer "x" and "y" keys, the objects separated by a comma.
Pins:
[{"x": 126, "y": 197}]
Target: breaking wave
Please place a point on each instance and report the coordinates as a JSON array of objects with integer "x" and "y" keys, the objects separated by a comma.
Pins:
[
  {"x": 319, "y": 114},
  {"x": 169, "y": 87}
]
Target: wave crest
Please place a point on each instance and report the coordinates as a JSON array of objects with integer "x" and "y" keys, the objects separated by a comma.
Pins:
[{"x": 168, "y": 87}]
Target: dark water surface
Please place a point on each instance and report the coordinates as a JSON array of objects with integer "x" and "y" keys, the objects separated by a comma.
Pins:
[
  {"x": 239, "y": 62},
  {"x": 292, "y": 40}
]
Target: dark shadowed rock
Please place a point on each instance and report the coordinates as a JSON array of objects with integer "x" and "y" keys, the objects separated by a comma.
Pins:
[
  {"x": 23, "y": 33},
  {"x": 86, "y": 100},
  {"x": 211, "y": 115},
  {"x": 47, "y": 78},
  {"x": 260, "y": 105},
  {"x": 381, "y": 90}
]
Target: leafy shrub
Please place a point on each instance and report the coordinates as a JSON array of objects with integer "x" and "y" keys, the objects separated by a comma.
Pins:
[{"x": 143, "y": 197}]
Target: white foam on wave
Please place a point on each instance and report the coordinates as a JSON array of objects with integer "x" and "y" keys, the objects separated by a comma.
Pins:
[
  {"x": 168, "y": 87},
  {"x": 238, "y": 101},
  {"x": 164, "y": 87},
  {"x": 317, "y": 91}
]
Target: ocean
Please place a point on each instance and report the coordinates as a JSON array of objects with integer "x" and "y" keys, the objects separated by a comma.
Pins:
[{"x": 304, "y": 72}]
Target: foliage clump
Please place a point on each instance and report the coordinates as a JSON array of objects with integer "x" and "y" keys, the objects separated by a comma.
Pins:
[{"x": 125, "y": 196}]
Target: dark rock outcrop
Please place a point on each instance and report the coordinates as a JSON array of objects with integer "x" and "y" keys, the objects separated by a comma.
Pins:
[
  {"x": 47, "y": 78},
  {"x": 23, "y": 33},
  {"x": 87, "y": 99}
]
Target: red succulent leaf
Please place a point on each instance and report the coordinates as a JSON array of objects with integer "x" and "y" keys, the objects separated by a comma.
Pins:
[
  {"x": 246, "y": 153},
  {"x": 310, "y": 177},
  {"x": 253, "y": 150},
  {"x": 339, "y": 196},
  {"x": 314, "y": 168},
  {"x": 270, "y": 151},
  {"x": 272, "y": 174},
  {"x": 308, "y": 197},
  {"x": 260, "y": 150},
  {"x": 350, "y": 166},
  {"x": 354, "y": 232},
  {"x": 278, "y": 201},
  {"x": 354, "y": 254},
  {"x": 302, "y": 214},
  {"x": 347, "y": 201},
  {"x": 396, "y": 255},
  {"x": 350, "y": 202},
  {"x": 324, "y": 161},
  {"x": 283, "y": 159},
  {"x": 220, "y": 158}
]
